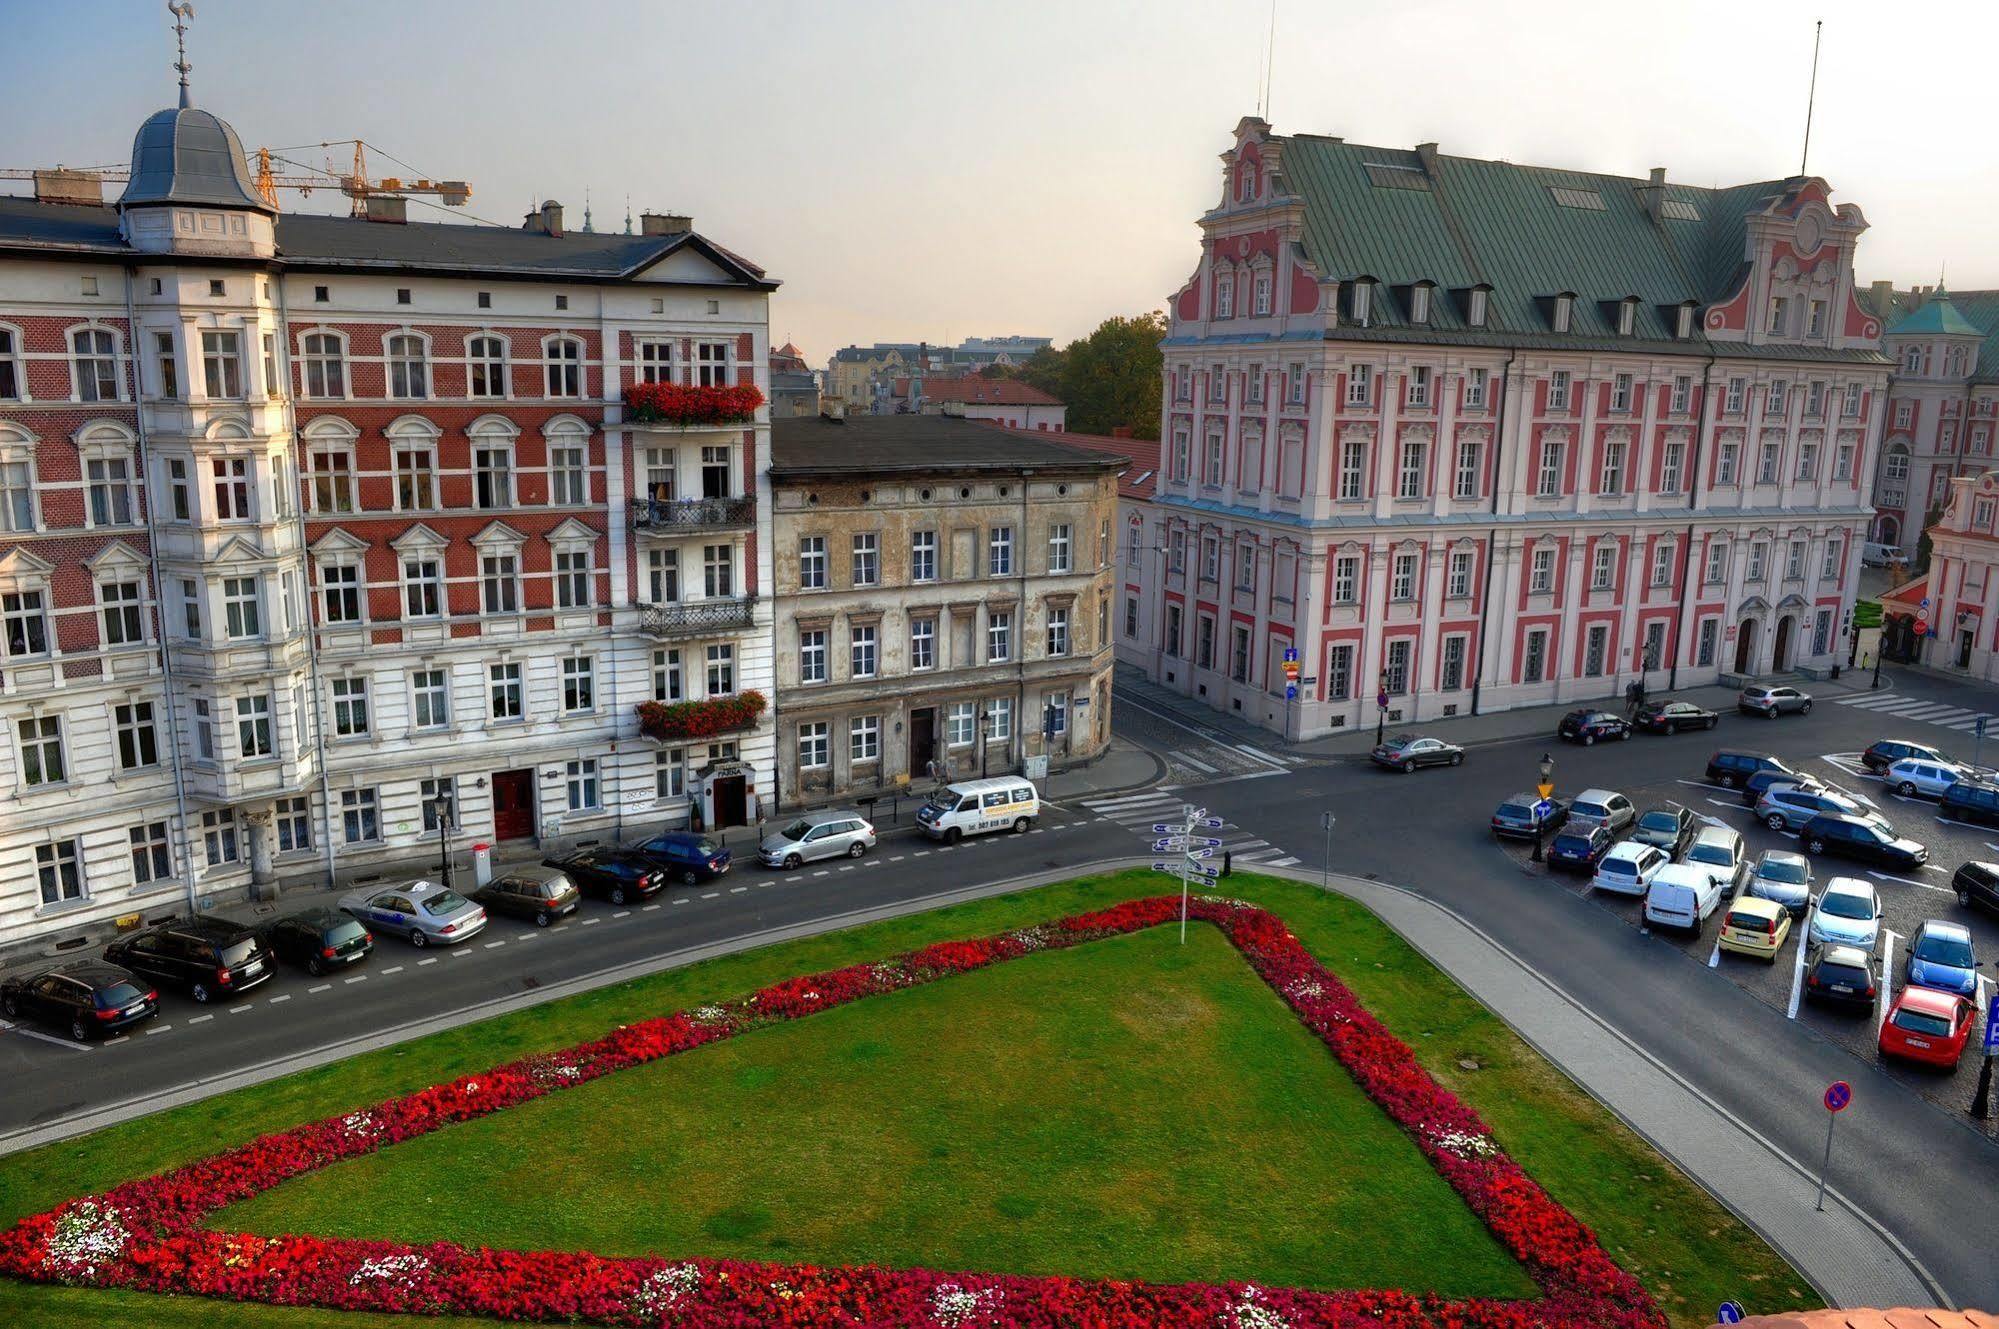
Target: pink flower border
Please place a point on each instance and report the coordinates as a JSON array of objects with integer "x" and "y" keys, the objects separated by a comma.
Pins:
[{"x": 147, "y": 1235}]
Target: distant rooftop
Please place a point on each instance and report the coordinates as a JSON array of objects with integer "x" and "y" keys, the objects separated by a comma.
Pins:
[{"x": 865, "y": 444}]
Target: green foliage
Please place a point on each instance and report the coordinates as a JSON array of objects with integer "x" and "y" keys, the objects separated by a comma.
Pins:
[
  {"x": 1109, "y": 379},
  {"x": 1930, "y": 518}
]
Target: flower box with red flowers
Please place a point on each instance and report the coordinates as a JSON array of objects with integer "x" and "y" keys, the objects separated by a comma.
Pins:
[
  {"x": 689, "y": 405},
  {"x": 680, "y": 720}
]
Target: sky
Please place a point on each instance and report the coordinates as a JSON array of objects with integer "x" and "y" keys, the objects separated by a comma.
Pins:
[{"x": 939, "y": 170}]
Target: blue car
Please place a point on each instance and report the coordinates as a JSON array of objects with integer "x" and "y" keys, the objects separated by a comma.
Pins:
[
  {"x": 1941, "y": 957},
  {"x": 1579, "y": 847},
  {"x": 684, "y": 856}
]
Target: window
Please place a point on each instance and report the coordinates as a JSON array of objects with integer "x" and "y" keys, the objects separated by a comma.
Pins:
[
  {"x": 1672, "y": 463},
  {"x": 320, "y": 295},
  {"x": 1717, "y": 564},
  {"x": 1766, "y": 468},
  {"x": 1353, "y": 469},
  {"x": 1564, "y": 310},
  {"x": 1360, "y": 385},
  {"x": 1596, "y": 647},
  {"x": 1758, "y": 554},
  {"x": 1218, "y": 383},
  {"x": 1835, "y": 557},
  {"x": 118, "y": 605},
  {"x": 163, "y": 356},
  {"x": 232, "y": 489},
  {"x": 1253, "y": 384},
  {"x": 812, "y": 655},
  {"x": 1182, "y": 456},
  {"x": 656, "y": 362},
  {"x": 1409, "y": 480},
  {"x": 294, "y": 821},
  {"x": 923, "y": 643},
  {"x": 190, "y": 608},
  {"x": 429, "y": 794},
  {"x": 861, "y": 650},
  {"x": 222, "y": 365},
  {"x": 1683, "y": 392},
  {"x": 999, "y": 636},
  {"x": 1725, "y": 461},
  {"x": 565, "y": 367},
  {"x": 958, "y": 724},
  {"x": 1541, "y": 571},
  {"x": 1794, "y": 561},
  {"x": 1603, "y": 569},
  {"x": 718, "y": 571},
  {"x": 1548, "y": 482},
  {"x": 11, "y": 376},
  {"x": 152, "y": 854},
  {"x": 1395, "y": 670},
  {"x": 1225, "y": 295},
  {"x": 1131, "y": 616},
  {"x": 1779, "y": 312},
  {"x": 1842, "y": 460},
  {"x": 721, "y": 670},
  {"x": 923, "y": 555},
  {"x": 568, "y": 478},
  {"x": 711, "y": 364},
  {"x": 138, "y": 746},
  {"x": 59, "y": 871},
  {"x": 359, "y": 820},
  {"x": 999, "y": 552},
  {"x": 813, "y": 748},
  {"x": 1416, "y": 392},
  {"x": 1773, "y": 398},
  {"x": 1706, "y": 641},
  {"x": 572, "y": 578},
  {"x": 1655, "y": 644},
  {"x": 562, "y": 302},
  {"x": 811, "y": 563},
  {"x": 408, "y": 374},
  {"x": 1475, "y": 307},
  {"x": 1815, "y": 399},
  {"x": 1452, "y": 676},
  {"x": 110, "y": 480},
  {"x": 1176, "y": 555},
  {"x": 1815, "y": 319},
  {"x": 243, "y": 607},
  {"x": 486, "y": 367},
  {"x": 1558, "y": 390},
  {"x": 1534, "y": 659},
  {"x": 1058, "y": 713},
  {"x": 504, "y": 689},
  {"x": 1627, "y": 317},
  {"x": 499, "y": 584},
  {"x": 1620, "y": 393},
  {"x": 493, "y": 477},
  {"x": 1734, "y": 396},
  {"x": 1245, "y": 566},
  {"x": 1346, "y": 579},
  {"x": 1058, "y": 547},
  {"x": 26, "y": 622},
  {"x": 663, "y": 575},
  {"x": 1363, "y": 301},
  {"x": 1808, "y": 460},
  {"x": 1851, "y": 406},
  {"x": 1476, "y": 381},
  {"x": 1058, "y": 632},
  {"x": 96, "y": 365},
  {"x": 340, "y": 588},
  {"x": 579, "y": 684},
  {"x": 1216, "y": 461},
  {"x": 864, "y": 738},
  {"x": 867, "y": 559},
  {"x": 1402, "y": 578},
  {"x": 1339, "y": 672},
  {"x": 1457, "y": 583},
  {"x": 1239, "y": 653},
  {"x": 666, "y": 677},
  {"x": 218, "y": 836},
  {"x": 253, "y": 726},
  {"x": 350, "y": 707},
  {"x": 204, "y": 730},
  {"x": 999, "y": 719},
  {"x": 430, "y": 704},
  {"x": 669, "y": 767},
  {"x": 1295, "y": 385},
  {"x": 416, "y": 482},
  {"x": 1611, "y": 480},
  {"x": 332, "y": 476},
  {"x": 1662, "y": 563}
]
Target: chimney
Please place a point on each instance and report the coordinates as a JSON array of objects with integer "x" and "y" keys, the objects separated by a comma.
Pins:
[
  {"x": 1120, "y": 431},
  {"x": 1883, "y": 293},
  {"x": 388, "y": 208},
  {"x": 1427, "y": 154},
  {"x": 1653, "y": 193},
  {"x": 664, "y": 223},
  {"x": 551, "y": 218},
  {"x": 66, "y": 186}
]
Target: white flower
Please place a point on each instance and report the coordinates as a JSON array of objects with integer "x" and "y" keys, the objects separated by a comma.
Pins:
[
  {"x": 888, "y": 971},
  {"x": 952, "y": 1305},
  {"x": 662, "y": 1290},
  {"x": 399, "y": 1269},
  {"x": 1032, "y": 939},
  {"x": 1306, "y": 989},
  {"x": 86, "y": 1237},
  {"x": 708, "y": 1015},
  {"x": 361, "y": 1124},
  {"x": 1249, "y": 1313},
  {"x": 1465, "y": 1144}
]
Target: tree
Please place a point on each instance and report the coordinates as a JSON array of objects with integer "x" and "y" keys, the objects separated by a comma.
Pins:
[
  {"x": 1930, "y": 518},
  {"x": 1109, "y": 379}
]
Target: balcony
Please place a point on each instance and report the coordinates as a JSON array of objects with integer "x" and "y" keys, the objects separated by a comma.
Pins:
[
  {"x": 672, "y": 516},
  {"x": 698, "y": 618}
]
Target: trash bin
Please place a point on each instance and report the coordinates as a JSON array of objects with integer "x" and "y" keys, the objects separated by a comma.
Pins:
[{"x": 482, "y": 864}]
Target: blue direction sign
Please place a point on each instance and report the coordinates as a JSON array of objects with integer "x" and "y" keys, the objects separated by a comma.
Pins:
[
  {"x": 1730, "y": 1313},
  {"x": 1543, "y": 808},
  {"x": 1290, "y": 692},
  {"x": 1837, "y": 1095},
  {"x": 1212, "y": 823},
  {"x": 1290, "y": 653},
  {"x": 1991, "y": 1033},
  {"x": 1163, "y": 827}
]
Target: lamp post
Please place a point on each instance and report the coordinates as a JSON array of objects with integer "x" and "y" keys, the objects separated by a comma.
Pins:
[
  {"x": 1381, "y": 710},
  {"x": 985, "y": 738},
  {"x": 1326, "y": 820},
  {"x": 1877, "y": 663},
  {"x": 440, "y": 808},
  {"x": 1546, "y": 790}
]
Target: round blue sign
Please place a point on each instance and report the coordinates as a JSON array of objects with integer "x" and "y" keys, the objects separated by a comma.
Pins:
[
  {"x": 1730, "y": 1313},
  {"x": 1837, "y": 1095}
]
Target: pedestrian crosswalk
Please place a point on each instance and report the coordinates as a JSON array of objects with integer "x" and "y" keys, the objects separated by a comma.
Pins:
[
  {"x": 1138, "y": 813},
  {"x": 1917, "y": 709}
]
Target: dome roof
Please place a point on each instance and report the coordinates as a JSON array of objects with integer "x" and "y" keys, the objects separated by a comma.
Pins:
[{"x": 185, "y": 155}]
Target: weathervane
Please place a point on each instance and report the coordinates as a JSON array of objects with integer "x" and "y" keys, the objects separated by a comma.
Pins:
[{"x": 182, "y": 10}]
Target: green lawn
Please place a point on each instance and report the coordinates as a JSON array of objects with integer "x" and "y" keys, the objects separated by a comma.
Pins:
[{"x": 1044, "y": 1208}]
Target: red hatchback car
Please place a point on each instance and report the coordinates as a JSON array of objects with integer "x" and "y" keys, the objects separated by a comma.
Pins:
[{"x": 1928, "y": 1026}]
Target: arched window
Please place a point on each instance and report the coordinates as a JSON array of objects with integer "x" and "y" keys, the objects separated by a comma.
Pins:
[
  {"x": 565, "y": 367},
  {"x": 1895, "y": 466},
  {"x": 409, "y": 375},
  {"x": 486, "y": 367},
  {"x": 96, "y": 363},
  {"x": 324, "y": 355},
  {"x": 12, "y": 381}
]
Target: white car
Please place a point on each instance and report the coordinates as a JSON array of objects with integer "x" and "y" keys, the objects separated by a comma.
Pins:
[
  {"x": 1628, "y": 868},
  {"x": 1915, "y": 775},
  {"x": 1681, "y": 895},
  {"x": 1847, "y": 913}
]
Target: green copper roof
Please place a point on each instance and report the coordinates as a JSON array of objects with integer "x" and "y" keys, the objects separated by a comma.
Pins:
[{"x": 1935, "y": 317}]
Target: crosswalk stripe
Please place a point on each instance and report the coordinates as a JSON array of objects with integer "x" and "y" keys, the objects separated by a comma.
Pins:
[
  {"x": 1282, "y": 863},
  {"x": 1951, "y": 716},
  {"x": 1261, "y": 855},
  {"x": 1187, "y": 759},
  {"x": 1932, "y": 711},
  {"x": 1897, "y": 705},
  {"x": 1874, "y": 702},
  {"x": 1134, "y": 800},
  {"x": 1962, "y": 726},
  {"x": 1237, "y": 846},
  {"x": 1139, "y": 816}
]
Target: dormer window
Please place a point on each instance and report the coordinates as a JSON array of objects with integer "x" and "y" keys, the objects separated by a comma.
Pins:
[
  {"x": 1912, "y": 360},
  {"x": 1419, "y": 302},
  {"x": 1627, "y": 316},
  {"x": 1260, "y": 288},
  {"x": 1683, "y": 322},
  {"x": 1780, "y": 312},
  {"x": 1564, "y": 312},
  {"x": 1363, "y": 301},
  {"x": 1225, "y": 296},
  {"x": 1815, "y": 319},
  {"x": 1475, "y": 307}
]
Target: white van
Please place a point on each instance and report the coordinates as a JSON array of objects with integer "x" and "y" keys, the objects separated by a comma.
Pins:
[
  {"x": 1681, "y": 895},
  {"x": 1877, "y": 555},
  {"x": 973, "y": 806}
]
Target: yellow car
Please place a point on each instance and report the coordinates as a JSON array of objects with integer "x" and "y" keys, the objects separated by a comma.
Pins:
[{"x": 1755, "y": 927}]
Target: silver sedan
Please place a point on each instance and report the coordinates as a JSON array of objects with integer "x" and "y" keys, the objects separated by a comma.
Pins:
[{"x": 421, "y": 911}]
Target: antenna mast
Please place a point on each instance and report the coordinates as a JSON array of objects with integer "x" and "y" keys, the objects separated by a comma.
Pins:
[
  {"x": 1818, "y": 31},
  {"x": 1269, "y": 49}
]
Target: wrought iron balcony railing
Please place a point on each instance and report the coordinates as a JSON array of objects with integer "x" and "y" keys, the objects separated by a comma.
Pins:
[
  {"x": 692, "y": 514},
  {"x": 697, "y": 618}
]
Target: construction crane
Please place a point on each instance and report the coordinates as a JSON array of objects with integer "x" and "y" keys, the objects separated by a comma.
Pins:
[{"x": 83, "y": 185}]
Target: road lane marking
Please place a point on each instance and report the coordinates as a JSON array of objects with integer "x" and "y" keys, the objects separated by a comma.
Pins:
[
  {"x": 459, "y": 955},
  {"x": 897, "y": 859},
  {"x": 282, "y": 996},
  {"x": 737, "y": 890},
  {"x": 921, "y": 852},
  {"x": 626, "y": 913},
  {"x": 490, "y": 945},
  {"x": 431, "y": 960},
  {"x": 41, "y": 1037},
  {"x": 126, "y": 1038},
  {"x": 1798, "y": 968},
  {"x": 323, "y": 987},
  {"x": 358, "y": 978},
  {"x": 1887, "y": 981},
  {"x": 647, "y": 908},
  {"x": 199, "y": 1019},
  {"x": 156, "y": 1029},
  {"x": 709, "y": 895},
  {"x": 680, "y": 899},
  {"x": 1714, "y": 956},
  {"x": 242, "y": 1006},
  {"x": 397, "y": 969},
  {"x": 823, "y": 872},
  {"x": 1188, "y": 759},
  {"x": 1907, "y": 881},
  {"x": 846, "y": 867},
  {"x": 592, "y": 922}
]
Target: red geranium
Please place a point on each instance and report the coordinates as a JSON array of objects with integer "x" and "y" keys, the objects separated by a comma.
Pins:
[
  {"x": 690, "y": 404},
  {"x": 679, "y": 720}
]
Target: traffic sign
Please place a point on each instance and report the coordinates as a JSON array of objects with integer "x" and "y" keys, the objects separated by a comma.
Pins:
[
  {"x": 1837, "y": 1095},
  {"x": 1922, "y": 628},
  {"x": 1542, "y": 809},
  {"x": 1926, "y": 603},
  {"x": 1547, "y": 791},
  {"x": 1163, "y": 827},
  {"x": 1381, "y": 699},
  {"x": 1991, "y": 1033},
  {"x": 1290, "y": 692},
  {"x": 1212, "y": 823},
  {"x": 1730, "y": 1313},
  {"x": 1290, "y": 655}
]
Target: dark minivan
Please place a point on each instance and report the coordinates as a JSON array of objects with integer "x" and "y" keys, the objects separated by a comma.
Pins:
[
  {"x": 88, "y": 998},
  {"x": 1977, "y": 884},
  {"x": 1868, "y": 839},
  {"x": 1971, "y": 800},
  {"x": 208, "y": 957},
  {"x": 317, "y": 940},
  {"x": 1730, "y": 768}
]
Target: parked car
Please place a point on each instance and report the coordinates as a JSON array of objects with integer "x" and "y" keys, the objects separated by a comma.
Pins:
[
  {"x": 208, "y": 957},
  {"x": 1755, "y": 927},
  {"x": 1730, "y": 767},
  {"x": 1670, "y": 717},
  {"x": 1628, "y": 868},
  {"x": 1782, "y": 877},
  {"x": 543, "y": 894},
  {"x": 1754, "y": 787},
  {"x": 319, "y": 939},
  {"x": 1516, "y": 818},
  {"x": 1918, "y": 775},
  {"x": 1405, "y": 752},
  {"x": 975, "y": 807},
  {"x": 1786, "y": 807},
  {"x": 684, "y": 856},
  {"x": 1977, "y": 884},
  {"x": 1586, "y": 726},
  {"x": 85, "y": 998},
  {"x": 1613, "y": 809},
  {"x": 1877, "y": 555},
  {"x": 1848, "y": 913},
  {"x": 1667, "y": 828},
  {"x": 1869, "y": 839},
  {"x": 1844, "y": 975},
  {"x": 1971, "y": 800},
  {"x": 617, "y": 875},
  {"x": 1883, "y": 753},
  {"x": 818, "y": 835},
  {"x": 1773, "y": 702},
  {"x": 1719, "y": 852},
  {"x": 421, "y": 912},
  {"x": 1928, "y": 1026},
  {"x": 1681, "y": 895},
  {"x": 1579, "y": 845},
  {"x": 1941, "y": 957}
]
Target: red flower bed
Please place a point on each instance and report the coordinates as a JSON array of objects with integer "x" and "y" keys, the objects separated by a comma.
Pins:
[
  {"x": 688, "y": 404},
  {"x": 668, "y": 721},
  {"x": 148, "y": 1234}
]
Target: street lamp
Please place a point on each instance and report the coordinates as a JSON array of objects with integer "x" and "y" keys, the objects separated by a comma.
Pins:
[
  {"x": 1326, "y": 820},
  {"x": 440, "y": 808},
  {"x": 1381, "y": 710},
  {"x": 1544, "y": 789},
  {"x": 985, "y": 738}
]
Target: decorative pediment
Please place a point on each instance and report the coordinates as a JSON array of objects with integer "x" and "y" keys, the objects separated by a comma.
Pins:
[
  {"x": 228, "y": 429},
  {"x": 20, "y": 564},
  {"x": 1678, "y": 434},
  {"x": 493, "y": 426},
  {"x": 1419, "y": 433},
  {"x": 1732, "y": 435},
  {"x": 565, "y": 426},
  {"x": 1476, "y": 433},
  {"x": 1357, "y": 433},
  {"x": 330, "y": 429},
  {"x": 1792, "y": 601},
  {"x": 413, "y": 426},
  {"x": 572, "y": 532},
  {"x": 14, "y": 437},
  {"x": 339, "y": 540},
  {"x": 1617, "y": 434},
  {"x": 115, "y": 557},
  {"x": 242, "y": 549},
  {"x": 419, "y": 536},
  {"x": 499, "y": 534},
  {"x": 1556, "y": 434},
  {"x": 1755, "y": 604},
  {"x": 104, "y": 436}
]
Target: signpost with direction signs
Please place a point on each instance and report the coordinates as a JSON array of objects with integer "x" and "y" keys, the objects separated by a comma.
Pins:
[
  {"x": 1291, "y": 670},
  {"x": 1189, "y": 850}
]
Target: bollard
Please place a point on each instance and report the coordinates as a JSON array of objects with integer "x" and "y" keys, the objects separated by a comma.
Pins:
[
  {"x": 1981, "y": 1097},
  {"x": 1226, "y": 868}
]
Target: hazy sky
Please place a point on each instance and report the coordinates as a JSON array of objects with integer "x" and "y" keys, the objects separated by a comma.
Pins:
[{"x": 941, "y": 170}]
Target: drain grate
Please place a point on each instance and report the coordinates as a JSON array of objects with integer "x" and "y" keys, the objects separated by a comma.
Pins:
[{"x": 530, "y": 982}]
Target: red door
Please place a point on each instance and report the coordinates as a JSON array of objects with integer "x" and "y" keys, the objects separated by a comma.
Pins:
[{"x": 513, "y": 805}]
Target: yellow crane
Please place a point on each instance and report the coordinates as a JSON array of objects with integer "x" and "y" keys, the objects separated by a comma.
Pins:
[{"x": 70, "y": 185}]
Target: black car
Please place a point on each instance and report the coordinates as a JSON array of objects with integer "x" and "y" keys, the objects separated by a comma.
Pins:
[
  {"x": 1670, "y": 717},
  {"x": 684, "y": 856},
  {"x": 617, "y": 875},
  {"x": 208, "y": 957},
  {"x": 1579, "y": 846},
  {"x": 1885, "y": 753},
  {"x": 1975, "y": 801},
  {"x": 1669, "y": 828},
  {"x": 1863, "y": 839},
  {"x": 1842, "y": 975},
  {"x": 1515, "y": 819},
  {"x": 1754, "y": 787},
  {"x": 317, "y": 940},
  {"x": 85, "y": 998},
  {"x": 1977, "y": 884},
  {"x": 1730, "y": 768},
  {"x": 1405, "y": 752},
  {"x": 542, "y": 894},
  {"x": 1586, "y": 726}
]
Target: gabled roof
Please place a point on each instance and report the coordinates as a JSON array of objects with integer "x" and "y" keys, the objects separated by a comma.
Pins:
[
  {"x": 971, "y": 390},
  {"x": 1979, "y": 310},
  {"x": 940, "y": 444},
  {"x": 1139, "y": 455}
]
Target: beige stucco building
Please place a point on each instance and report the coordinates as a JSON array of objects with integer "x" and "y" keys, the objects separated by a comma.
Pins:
[{"x": 943, "y": 594}]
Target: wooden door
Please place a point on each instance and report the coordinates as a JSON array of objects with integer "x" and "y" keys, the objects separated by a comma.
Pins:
[{"x": 513, "y": 805}]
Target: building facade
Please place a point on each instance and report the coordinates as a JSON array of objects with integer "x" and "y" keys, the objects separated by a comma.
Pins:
[
  {"x": 1002, "y": 401},
  {"x": 319, "y": 529},
  {"x": 1476, "y": 435},
  {"x": 1943, "y": 406},
  {"x": 794, "y": 388},
  {"x": 1961, "y": 624},
  {"x": 943, "y": 596}
]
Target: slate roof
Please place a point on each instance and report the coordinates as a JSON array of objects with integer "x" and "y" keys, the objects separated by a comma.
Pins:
[
  {"x": 1978, "y": 310},
  {"x": 975, "y": 391},
  {"x": 868, "y": 444},
  {"x": 185, "y": 155},
  {"x": 1139, "y": 457}
]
